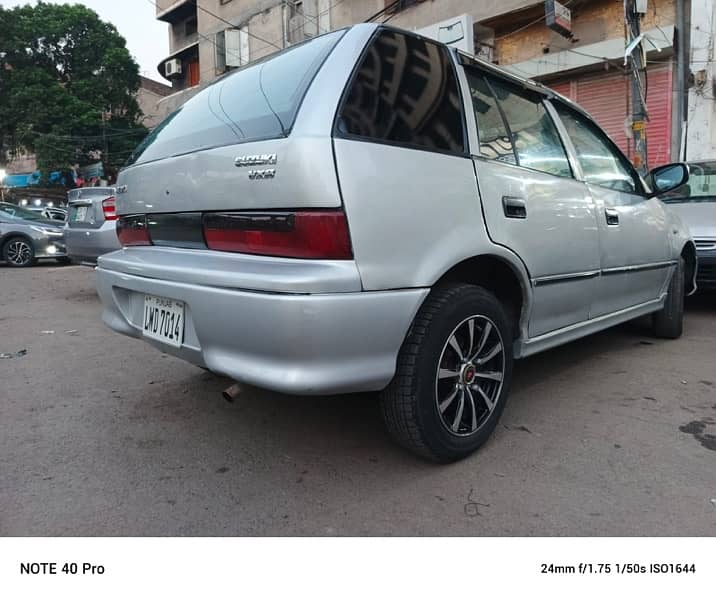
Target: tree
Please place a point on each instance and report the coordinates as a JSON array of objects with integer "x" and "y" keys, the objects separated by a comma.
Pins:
[{"x": 67, "y": 87}]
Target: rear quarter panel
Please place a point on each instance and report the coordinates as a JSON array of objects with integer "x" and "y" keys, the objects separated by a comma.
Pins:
[{"x": 412, "y": 214}]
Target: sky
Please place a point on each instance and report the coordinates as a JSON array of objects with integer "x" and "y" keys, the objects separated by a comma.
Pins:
[{"x": 147, "y": 38}]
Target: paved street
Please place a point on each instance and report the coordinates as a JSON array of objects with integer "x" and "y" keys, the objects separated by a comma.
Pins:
[{"x": 103, "y": 435}]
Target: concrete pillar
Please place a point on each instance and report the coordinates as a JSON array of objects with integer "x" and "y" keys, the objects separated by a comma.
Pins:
[{"x": 701, "y": 116}]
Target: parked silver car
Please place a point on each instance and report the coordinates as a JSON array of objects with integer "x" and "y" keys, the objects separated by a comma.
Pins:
[
  {"x": 695, "y": 203},
  {"x": 26, "y": 236},
  {"x": 91, "y": 228},
  {"x": 372, "y": 211}
]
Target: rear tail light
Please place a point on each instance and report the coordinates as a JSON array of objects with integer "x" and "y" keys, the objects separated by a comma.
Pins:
[
  {"x": 109, "y": 208},
  {"x": 300, "y": 234},
  {"x": 132, "y": 231}
]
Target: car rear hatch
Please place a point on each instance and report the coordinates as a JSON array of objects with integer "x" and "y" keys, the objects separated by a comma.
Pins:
[
  {"x": 88, "y": 211},
  {"x": 228, "y": 171},
  {"x": 87, "y": 207}
]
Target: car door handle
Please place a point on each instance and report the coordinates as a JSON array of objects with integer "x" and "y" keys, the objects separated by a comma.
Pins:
[
  {"x": 514, "y": 208},
  {"x": 612, "y": 215}
]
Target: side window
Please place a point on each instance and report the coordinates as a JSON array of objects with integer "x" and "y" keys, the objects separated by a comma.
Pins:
[
  {"x": 602, "y": 164},
  {"x": 405, "y": 92},
  {"x": 494, "y": 138},
  {"x": 534, "y": 134}
]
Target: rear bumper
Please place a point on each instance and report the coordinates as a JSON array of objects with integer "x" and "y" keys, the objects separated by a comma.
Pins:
[
  {"x": 85, "y": 245},
  {"x": 296, "y": 343}
]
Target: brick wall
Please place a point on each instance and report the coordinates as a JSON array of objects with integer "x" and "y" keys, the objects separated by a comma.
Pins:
[{"x": 594, "y": 22}]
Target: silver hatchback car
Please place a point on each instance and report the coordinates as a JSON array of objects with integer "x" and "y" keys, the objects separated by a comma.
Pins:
[{"x": 373, "y": 211}]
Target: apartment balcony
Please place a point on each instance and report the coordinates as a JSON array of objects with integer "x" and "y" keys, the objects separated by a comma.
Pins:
[
  {"x": 187, "y": 55},
  {"x": 174, "y": 11}
]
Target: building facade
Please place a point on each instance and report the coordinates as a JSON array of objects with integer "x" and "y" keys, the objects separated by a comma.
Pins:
[
  {"x": 700, "y": 122},
  {"x": 207, "y": 38},
  {"x": 149, "y": 94}
]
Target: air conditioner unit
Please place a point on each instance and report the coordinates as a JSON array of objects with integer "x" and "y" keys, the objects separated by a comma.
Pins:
[
  {"x": 172, "y": 68},
  {"x": 456, "y": 32}
]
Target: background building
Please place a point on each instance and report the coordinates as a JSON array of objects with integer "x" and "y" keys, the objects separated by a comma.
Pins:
[
  {"x": 149, "y": 94},
  {"x": 210, "y": 37}
]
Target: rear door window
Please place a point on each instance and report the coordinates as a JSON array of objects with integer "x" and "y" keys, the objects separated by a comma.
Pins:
[
  {"x": 533, "y": 133},
  {"x": 405, "y": 92},
  {"x": 260, "y": 101},
  {"x": 495, "y": 142}
]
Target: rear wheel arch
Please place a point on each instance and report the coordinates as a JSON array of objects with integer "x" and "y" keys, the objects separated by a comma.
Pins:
[{"x": 498, "y": 276}]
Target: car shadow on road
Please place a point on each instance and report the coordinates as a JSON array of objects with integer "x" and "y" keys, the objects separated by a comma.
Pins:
[{"x": 350, "y": 428}]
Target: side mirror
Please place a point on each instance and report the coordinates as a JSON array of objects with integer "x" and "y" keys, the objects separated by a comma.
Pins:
[{"x": 667, "y": 177}]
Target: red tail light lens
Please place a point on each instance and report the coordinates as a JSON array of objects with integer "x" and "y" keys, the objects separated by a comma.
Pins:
[
  {"x": 109, "y": 208},
  {"x": 132, "y": 231},
  {"x": 304, "y": 234}
]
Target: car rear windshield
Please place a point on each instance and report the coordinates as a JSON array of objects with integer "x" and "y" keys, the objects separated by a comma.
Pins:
[{"x": 257, "y": 102}]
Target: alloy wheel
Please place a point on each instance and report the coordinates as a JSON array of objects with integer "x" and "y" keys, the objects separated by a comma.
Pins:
[
  {"x": 19, "y": 252},
  {"x": 469, "y": 376}
]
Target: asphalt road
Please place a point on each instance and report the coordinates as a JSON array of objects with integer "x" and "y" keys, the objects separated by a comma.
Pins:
[{"x": 104, "y": 435}]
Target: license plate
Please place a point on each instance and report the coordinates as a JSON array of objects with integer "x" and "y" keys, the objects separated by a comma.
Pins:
[
  {"x": 164, "y": 320},
  {"x": 81, "y": 213}
]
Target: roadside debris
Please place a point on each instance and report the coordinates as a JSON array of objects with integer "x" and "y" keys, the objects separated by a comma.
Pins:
[
  {"x": 18, "y": 354},
  {"x": 47, "y": 331},
  {"x": 472, "y": 507},
  {"x": 517, "y": 428}
]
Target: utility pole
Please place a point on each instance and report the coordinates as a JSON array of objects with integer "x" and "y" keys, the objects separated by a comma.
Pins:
[
  {"x": 639, "y": 115},
  {"x": 105, "y": 152},
  {"x": 681, "y": 96}
]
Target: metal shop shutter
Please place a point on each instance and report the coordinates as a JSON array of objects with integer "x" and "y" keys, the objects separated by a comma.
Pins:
[
  {"x": 605, "y": 96},
  {"x": 658, "y": 102}
]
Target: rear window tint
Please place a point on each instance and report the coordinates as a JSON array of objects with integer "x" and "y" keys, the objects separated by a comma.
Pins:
[
  {"x": 494, "y": 138},
  {"x": 257, "y": 102},
  {"x": 534, "y": 134},
  {"x": 405, "y": 92}
]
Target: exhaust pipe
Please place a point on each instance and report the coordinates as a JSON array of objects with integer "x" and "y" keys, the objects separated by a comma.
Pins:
[{"x": 232, "y": 392}]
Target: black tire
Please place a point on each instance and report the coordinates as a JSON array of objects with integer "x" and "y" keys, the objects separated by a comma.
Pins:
[
  {"x": 410, "y": 403},
  {"x": 18, "y": 252},
  {"x": 668, "y": 322}
]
